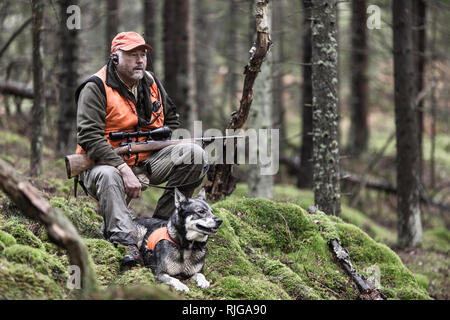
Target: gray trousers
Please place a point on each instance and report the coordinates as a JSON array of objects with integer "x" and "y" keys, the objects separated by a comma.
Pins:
[{"x": 177, "y": 164}]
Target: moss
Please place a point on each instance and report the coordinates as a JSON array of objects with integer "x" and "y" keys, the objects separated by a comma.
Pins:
[
  {"x": 7, "y": 239},
  {"x": 136, "y": 292},
  {"x": 19, "y": 281},
  {"x": 437, "y": 239},
  {"x": 106, "y": 259},
  {"x": 22, "y": 234},
  {"x": 135, "y": 276},
  {"x": 37, "y": 259},
  {"x": 232, "y": 287},
  {"x": 422, "y": 280},
  {"x": 83, "y": 217}
]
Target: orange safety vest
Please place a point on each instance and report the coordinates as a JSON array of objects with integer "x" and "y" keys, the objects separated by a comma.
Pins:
[
  {"x": 120, "y": 117},
  {"x": 158, "y": 235}
]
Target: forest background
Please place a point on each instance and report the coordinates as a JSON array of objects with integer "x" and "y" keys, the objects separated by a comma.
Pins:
[{"x": 200, "y": 49}]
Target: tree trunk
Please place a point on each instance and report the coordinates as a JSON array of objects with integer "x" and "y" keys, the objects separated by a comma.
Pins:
[
  {"x": 150, "y": 31},
  {"x": 112, "y": 23},
  {"x": 409, "y": 224},
  {"x": 327, "y": 194},
  {"x": 305, "y": 174},
  {"x": 261, "y": 186},
  {"x": 59, "y": 228},
  {"x": 419, "y": 47},
  {"x": 37, "y": 111},
  {"x": 221, "y": 180},
  {"x": 68, "y": 78},
  {"x": 205, "y": 41},
  {"x": 277, "y": 59},
  {"x": 179, "y": 77},
  {"x": 359, "y": 131}
]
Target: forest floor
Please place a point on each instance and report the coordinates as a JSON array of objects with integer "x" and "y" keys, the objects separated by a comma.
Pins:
[{"x": 374, "y": 213}]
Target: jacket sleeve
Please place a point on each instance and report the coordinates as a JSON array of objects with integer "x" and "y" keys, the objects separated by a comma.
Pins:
[{"x": 91, "y": 115}]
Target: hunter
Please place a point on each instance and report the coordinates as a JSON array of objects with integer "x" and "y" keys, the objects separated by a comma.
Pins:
[{"x": 123, "y": 96}]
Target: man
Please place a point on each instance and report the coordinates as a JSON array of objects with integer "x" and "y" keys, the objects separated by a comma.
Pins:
[{"x": 122, "y": 96}]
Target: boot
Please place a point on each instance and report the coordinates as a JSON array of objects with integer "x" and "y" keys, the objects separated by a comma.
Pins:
[{"x": 131, "y": 259}]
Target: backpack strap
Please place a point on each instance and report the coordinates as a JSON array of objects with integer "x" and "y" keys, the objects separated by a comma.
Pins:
[
  {"x": 169, "y": 100},
  {"x": 94, "y": 79}
]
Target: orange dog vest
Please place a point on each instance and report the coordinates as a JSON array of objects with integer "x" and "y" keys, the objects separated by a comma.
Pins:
[{"x": 158, "y": 235}]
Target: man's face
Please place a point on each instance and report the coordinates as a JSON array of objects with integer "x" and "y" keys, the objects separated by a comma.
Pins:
[{"x": 132, "y": 65}]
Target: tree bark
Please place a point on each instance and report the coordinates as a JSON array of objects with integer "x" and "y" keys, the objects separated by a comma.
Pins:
[
  {"x": 37, "y": 111},
  {"x": 60, "y": 230},
  {"x": 179, "y": 77},
  {"x": 419, "y": 47},
  {"x": 359, "y": 130},
  {"x": 305, "y": 173},
  {"x": 112, "y": 23},
  {"x": 327, "y": 194},
  {"x": 408, "y": 211},
  {"x": 260, "y": 117},
  {"x": 68, "y": 78},
  {"x": 278, "y": 108},
  {"x": 150, "y": 31},
  {"x": 221, "y": 181}
]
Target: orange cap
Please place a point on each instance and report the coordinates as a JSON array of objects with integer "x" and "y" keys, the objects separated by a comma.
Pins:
[{"x": 127, "y": 41}]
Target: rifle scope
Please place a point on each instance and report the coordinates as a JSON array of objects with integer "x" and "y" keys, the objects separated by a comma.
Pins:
[{"x": 161, "y": 133}]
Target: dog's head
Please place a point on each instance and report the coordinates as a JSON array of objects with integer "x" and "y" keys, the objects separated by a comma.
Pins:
[{"x": 193, "y": 218}]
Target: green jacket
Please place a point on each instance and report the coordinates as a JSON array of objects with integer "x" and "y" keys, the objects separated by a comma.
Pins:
[{"x": 91, "y": 115}]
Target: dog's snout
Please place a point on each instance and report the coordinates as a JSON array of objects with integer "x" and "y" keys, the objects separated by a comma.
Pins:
[{"x": 218, "y": 221}]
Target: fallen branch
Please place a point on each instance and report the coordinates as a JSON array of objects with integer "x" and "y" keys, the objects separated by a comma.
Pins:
[
  {"x": 59, "y": 228},
  {"x": 14, "y": 35},
  {"x": 390, "y": 189},
  {"x": 220, "y": 178},
  {"x": 367, "y": 290},
  {"x": 23, "y": 90}
]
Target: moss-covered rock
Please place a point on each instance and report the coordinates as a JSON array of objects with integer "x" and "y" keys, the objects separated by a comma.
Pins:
[
  {"x": 19, "y": 281},
  {"x": 283, "y": 232}
]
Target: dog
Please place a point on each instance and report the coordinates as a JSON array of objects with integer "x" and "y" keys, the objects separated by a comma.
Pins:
[{"x": 176, "y": 248}]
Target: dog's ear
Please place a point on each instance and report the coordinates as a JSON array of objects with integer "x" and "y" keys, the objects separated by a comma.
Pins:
[
  {"x": 201, "y": 194},
  {"x": 179, "y": 198}
]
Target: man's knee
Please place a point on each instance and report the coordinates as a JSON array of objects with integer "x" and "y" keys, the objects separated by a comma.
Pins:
[
  {"x": 109, "y": 176},
  {"x": 191, "y": 154}
]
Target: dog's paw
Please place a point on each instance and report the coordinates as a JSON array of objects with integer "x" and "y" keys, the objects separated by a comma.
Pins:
[
  {"x": 201, "y": 280},
  {"x": 179, "y": 286}
]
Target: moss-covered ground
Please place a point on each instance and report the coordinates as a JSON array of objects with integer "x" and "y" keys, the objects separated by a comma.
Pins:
[{"x": 264, "y": 250}]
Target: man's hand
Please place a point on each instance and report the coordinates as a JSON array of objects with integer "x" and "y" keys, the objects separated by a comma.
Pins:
[{"x": 132, "y": 184}]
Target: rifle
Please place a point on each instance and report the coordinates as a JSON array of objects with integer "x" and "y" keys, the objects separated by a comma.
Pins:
[{"x": 77, "y": 163}]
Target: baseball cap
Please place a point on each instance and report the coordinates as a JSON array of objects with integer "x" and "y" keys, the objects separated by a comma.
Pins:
[{"x": 127, "y": 41}]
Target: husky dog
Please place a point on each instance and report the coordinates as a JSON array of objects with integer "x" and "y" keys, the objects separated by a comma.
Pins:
[{"x": 177, "y": 247}]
